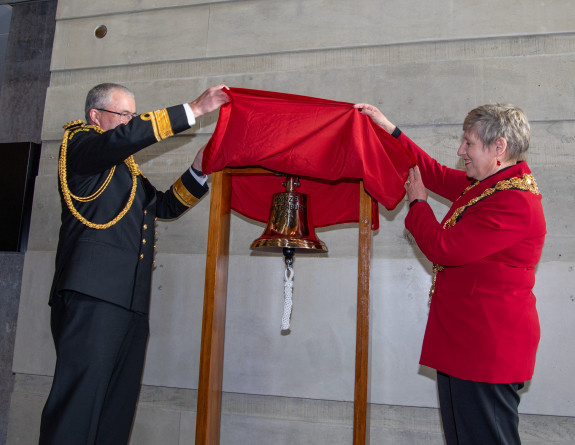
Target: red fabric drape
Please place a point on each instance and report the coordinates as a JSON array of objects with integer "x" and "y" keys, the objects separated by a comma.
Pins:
[{"x": 328, "y": 144}]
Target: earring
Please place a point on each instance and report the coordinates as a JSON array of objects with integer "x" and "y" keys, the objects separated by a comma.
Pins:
[{"x": 498, "y": 162}]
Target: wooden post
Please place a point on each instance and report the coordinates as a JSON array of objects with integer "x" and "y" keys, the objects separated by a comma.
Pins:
[
  {"x": 361, "y": 396},
  {"x": 214, "y": 314}
]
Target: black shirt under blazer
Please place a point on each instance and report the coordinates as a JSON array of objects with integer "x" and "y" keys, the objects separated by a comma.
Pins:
[{"x": 115, "y": 264}]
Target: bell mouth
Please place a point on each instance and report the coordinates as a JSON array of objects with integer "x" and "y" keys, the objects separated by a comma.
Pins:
[{"x": 289, "y": 243}]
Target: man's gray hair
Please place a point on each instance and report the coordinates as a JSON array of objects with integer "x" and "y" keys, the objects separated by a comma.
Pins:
[{"x": 99, "y": 97}]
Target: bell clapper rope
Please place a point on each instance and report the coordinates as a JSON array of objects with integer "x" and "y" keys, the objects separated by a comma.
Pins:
[{"x": 288, "y": 288}]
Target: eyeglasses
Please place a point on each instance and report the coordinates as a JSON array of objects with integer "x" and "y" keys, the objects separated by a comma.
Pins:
[{"x": 124, "y": 115}]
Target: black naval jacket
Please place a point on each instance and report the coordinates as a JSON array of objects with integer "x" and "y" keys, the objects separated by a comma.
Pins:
[{"x": 115, "y": 263}]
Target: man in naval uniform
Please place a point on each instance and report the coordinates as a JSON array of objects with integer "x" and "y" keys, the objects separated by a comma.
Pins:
[{"x": 101, "y": 289}]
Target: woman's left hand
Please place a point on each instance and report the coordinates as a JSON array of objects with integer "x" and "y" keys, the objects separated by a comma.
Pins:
[
  {"x": 414, "y": 185},
  {"x": 376, "y": 116}
]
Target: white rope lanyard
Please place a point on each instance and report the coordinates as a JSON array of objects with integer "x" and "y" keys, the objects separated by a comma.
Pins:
[{"x": 288, "y": 292}]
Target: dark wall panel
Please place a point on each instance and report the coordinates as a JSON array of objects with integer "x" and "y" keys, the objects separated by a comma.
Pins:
[{"x": 18, "y": 170}]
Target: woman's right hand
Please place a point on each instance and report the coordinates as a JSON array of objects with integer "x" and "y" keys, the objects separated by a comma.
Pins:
[
  {"x": 414, "y": 185},
  {"x": 377, "y": 116}
]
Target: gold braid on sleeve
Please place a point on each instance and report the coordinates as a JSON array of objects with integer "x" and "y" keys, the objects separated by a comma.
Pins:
[
  {"x": 69, "y": 196},
  {"x": 160, "y": 123}
]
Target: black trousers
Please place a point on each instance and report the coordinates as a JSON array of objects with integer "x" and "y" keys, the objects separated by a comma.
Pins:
[
  {"x": 475, "y": 413},
  {"x": 100, "y": 352}
]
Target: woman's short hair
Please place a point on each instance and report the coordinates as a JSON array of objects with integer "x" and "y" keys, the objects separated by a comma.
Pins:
[
  {"x": 99, "y": 96},
  {"x": 492, "y": 121}
]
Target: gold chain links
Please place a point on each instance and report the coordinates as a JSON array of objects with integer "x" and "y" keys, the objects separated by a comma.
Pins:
[
  {"x": 68, "y": 195},
  {"x": 526, "y": 183}
]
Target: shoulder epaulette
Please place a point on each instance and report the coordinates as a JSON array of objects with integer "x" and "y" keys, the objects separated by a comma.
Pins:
[
  {"x": 74, "y": 127},
  {"x": 73, "y": 124}
]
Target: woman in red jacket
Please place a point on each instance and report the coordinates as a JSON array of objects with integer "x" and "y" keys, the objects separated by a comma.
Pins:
[{"x": 483, "y": 330}]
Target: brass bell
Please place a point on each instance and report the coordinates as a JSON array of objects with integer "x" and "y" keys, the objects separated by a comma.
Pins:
[{"x": 289, "y": 225}]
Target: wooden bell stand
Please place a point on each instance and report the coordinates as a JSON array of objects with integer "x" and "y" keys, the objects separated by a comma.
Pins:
[{"x": 214, "y": 314}]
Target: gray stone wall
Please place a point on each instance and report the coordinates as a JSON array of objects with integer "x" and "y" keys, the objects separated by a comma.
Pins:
[
  {"x": 425, "y": 64},
  {"x": 26, "y": 33},
  {"x": 168, "y": 416},
  {"x": 5, "y": 15},
  {"x": 11, "y": 265},
  {"x": 27, "y": 71}
]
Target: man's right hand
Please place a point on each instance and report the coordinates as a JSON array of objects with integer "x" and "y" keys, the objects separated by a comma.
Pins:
[{"x": 210, "y": 100}]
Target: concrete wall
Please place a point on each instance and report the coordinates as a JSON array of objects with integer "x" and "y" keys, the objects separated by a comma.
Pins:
[
  {"x": 10, "y": 281},
  {"x": 423, "y": 63},
  {"x": 5, "y": 15},
  {"x": 26, "y": 33},
  {"x": 11, "y": 264}
]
